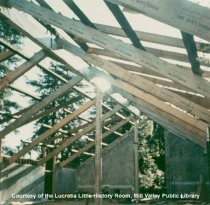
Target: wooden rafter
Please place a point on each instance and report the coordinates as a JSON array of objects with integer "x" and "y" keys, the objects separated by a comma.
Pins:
[
  {"x": 12, "y": 76},
  {"x": 190, "y": 46},
  {"x": 40, "y": 105},
  {"x": 142, "y": 83},
  {"x": 124, "y": 24},
  {"x": 184, "y": 15},
  {"x": 91, "y": 144},
  {"x": 5, "y": 55},
  {"x": 68, "y": 141},
  {"x": 153, "y": 38},
  {"x": 54, "y": 128},
  {"x": 141, "y": 57}
]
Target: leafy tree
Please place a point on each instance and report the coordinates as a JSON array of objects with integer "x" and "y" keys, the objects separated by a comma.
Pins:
[{"x": 151, "y": 157}]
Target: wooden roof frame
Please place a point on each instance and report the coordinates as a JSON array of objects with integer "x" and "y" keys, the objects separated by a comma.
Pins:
[{"x": 175, "y": 111}]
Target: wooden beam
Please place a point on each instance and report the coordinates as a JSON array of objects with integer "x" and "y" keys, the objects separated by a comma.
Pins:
[
  {"x": 127, "y": 51},
  {"x": 171, "y": 55},
  {"x": 20, "y": 90},
  {"x": 5, "y": 55},
  {"x": 49, "y": 132},
  {"x": 38, "y": 106},
  {"x": 191, "y": 49},
  {"x": 141, "y": 83},
  {"x": 160, "y": 105},
  {"x": 184, "y": 15},
  {"x": 12, "y": 76},
  {"x": 91, "y": 144},
  {"x": 152, "y": 37},
  {"x": 169, "y": 122},
  {"x": 136, "y": 156},
  {"x": 98, "y": 147},
  {"x": 124, "y": 24},
  {"x": 72, "y": 139}
]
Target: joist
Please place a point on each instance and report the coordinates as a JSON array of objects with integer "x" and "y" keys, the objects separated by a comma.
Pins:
[
  {"x": 152, "y": 37},
  {"x": 143, "y": 58},
  {"x": 192, "y": 54},
  {"x": 49, "y": 132},
  {"x": 178, "y": 126},
  {"x": 141, "y": 83},
  {"x": 167, "y": 121},
  {"x": 5, "y": 55},
  {"x": 160, "y": 105},
  {"x": 72, "y": 139},
  {"x": 91, "y": 144},
  {"x": 144, "y": 70},
  {"x": 171, "y": 55},
  {"x": 12, "y": 76},
  {"x": 24, "y": 25},
  {"x": 31, "y": 95},
  {"x": 184, "y": 15},
  {"x": 74, "y": 7},
  {"x": 122, "y": 20},
  {"x": 40, "y": 105}
]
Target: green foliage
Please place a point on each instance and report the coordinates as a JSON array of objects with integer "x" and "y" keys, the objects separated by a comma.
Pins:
[
  {"x": 47, "y": 84},
  {"x": 12, "y": 36},
  {"x": 151, "y": 157}
]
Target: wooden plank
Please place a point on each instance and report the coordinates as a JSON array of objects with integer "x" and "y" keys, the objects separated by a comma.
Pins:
[
  {"x": 171, "y": 55},
  {"x": 152, "y": 37},
  {"x": 115, "y": 9},
  {"x": 91, "y": 144},
  {"x": 160, "y": 104},
  {"x": 38, "y": 106},
  {"x": 5, "y": 55},
  {"x": 143, "y": 58},
  {"x": 169, "y": 122},
  {"x": 12, "y": 76},
  {"x": 206, "y": 74},
  {"x": 136, "y": 156},
  {"x": 54, "y": 128},
  {"x": 184, "y": 15},
  {"x": 141, "y": 83},
  {"x": 20, "y": 90},
  {"x": 98, "y": 147},
  {"x": 70, "y": 140},
  {"x": 192, "y": 54}
]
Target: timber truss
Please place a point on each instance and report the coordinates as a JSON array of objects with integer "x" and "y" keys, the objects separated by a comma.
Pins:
[{"x": 153, "y": 80}]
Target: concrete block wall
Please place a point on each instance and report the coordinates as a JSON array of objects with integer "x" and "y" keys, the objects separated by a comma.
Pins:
[
  {"x": 117, "y": 168},
  {"x": 186, "y": 165}
]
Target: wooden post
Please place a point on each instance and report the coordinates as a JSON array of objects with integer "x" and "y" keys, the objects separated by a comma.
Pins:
[
  {"x": 98, "y": 147},
  {"x": 136, "y": 158}
]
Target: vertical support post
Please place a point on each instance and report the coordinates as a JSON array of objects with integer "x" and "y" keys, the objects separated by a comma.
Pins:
[
  {"x": 98, "y": 146},
  {"x": 54, "y": 175},
  {"x": 1, "y": 157},
  {"x": 208, "y": 148},
  {"x": 50, "y": 176},
  {"x": 136, "y": 158}
]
